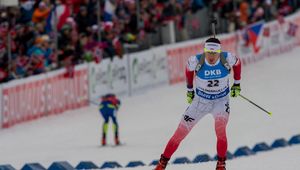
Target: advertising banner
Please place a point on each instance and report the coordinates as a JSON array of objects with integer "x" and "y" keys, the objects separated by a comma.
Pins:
[
  {"x": 23, "y": 100},
  {"x": 41, "y": 95},
  {"x": 108, "y": 77},
  {"x": 66, "y": 93},
  {"x": 148, "y": 68}
]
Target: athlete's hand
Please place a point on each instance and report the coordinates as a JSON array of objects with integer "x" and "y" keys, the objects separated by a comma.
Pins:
[
  {"x": 235, "y": 90},
  {"x": 190, "y": 95}
]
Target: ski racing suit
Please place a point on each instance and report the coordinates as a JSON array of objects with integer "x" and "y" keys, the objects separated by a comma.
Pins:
[
  {"x": 108, "y": 109},
  {"x": 211, "y": 97}
]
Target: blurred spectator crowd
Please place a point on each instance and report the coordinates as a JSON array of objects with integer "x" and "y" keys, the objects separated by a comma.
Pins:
[
  {"x": 30, "y": 43},
  {"x": 237, "y": 14}
]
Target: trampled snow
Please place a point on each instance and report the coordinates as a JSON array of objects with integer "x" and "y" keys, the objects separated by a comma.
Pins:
[{"x": 149, "y": 119}]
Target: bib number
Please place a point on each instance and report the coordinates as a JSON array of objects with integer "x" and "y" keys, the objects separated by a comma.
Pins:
[{"x": 213, "y": 83}]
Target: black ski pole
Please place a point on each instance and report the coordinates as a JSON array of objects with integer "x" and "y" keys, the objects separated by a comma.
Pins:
[
  {"x": 213, "y": 26},
  {"x": 269, "y": 113}
]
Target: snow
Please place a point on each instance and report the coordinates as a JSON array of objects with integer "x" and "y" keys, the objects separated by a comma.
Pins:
[
  {"x": 149, "y": 119},
  {"x": 279, "y": 159}
]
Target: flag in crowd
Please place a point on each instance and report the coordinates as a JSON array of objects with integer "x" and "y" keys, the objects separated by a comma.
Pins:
[
  {"x": 109, "y": 9},
  {"x": 252, "y": 35},
  {"x": 62, "y": 13}
]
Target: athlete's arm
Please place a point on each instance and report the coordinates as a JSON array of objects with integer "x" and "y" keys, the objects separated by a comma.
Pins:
[
  {"x": 236, "y": 65},
  {"x": 190, "y": 71}
]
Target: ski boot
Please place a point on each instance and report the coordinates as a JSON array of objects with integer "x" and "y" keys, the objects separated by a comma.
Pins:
[
  {"x": 221, "y": 164},
  {"x": 117, "y": 141},
  {"x": 103, "y": 141},
  {"x": 162, "y": 164}
]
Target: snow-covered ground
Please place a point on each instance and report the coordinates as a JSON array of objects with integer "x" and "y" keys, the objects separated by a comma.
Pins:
[
  {"x": 279, "y": 159},
  {"x": 148, "y": 120}
]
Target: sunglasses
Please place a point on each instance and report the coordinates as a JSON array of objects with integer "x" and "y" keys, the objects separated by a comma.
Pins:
[{"x": 212, "y": 53}]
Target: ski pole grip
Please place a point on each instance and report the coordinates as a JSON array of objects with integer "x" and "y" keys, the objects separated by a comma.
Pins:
[
  {"x": 214, "y": 20},
  {"x": 213, "y": 25}
]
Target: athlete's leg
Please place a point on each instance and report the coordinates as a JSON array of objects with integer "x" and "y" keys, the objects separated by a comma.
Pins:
[
  {"x": 104, "y": 127},
  {"x": 180, "y": 133},
  {"x": 221, "y": 115},
  {"x": 115, "y": 129},
  {"x": 115, "y": 125},
  {"x": 190, "y": 118},
  {"x": 192, "y": 115},
  {"x": 220, "y": 128}
]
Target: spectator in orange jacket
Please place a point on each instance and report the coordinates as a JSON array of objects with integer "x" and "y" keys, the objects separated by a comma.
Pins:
[{"x": 41, "y": 13}]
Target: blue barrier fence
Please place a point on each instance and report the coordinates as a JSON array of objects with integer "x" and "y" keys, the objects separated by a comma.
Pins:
[{"x": 241, "y": 151}]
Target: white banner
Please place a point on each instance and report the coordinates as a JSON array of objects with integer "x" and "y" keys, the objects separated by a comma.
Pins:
[
  {"x": 148, "y": 68},
  {"x": 160, "y": 67},
  {"x": 9, "y": 3},
  {"x": 108, "y": 77}
]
